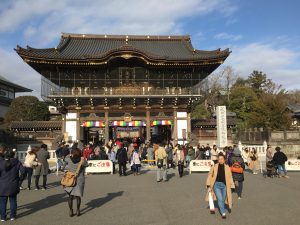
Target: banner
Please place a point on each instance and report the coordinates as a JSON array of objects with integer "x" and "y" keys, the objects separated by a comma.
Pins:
[
  {"x": 99, "y": 166},
  {"x": 292, "y": 165},
  {"x": 128, "y": 132},
  {"x": 200, "y": 165}
]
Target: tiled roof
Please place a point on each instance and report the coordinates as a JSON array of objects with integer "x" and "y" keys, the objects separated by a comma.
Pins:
[
  {"x": 210, "y": 122},
  {"x": 36, "y": 125},
  {"x": 16, "y": 87},
  {"x": 96, "y": 47}
]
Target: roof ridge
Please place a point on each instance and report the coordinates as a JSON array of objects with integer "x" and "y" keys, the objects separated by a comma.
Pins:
[{"x": 124, "y": 36}]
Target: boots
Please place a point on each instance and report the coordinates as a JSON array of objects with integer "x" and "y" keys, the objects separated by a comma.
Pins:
[
  {"x": 78, "y": 206},
  {"x": 70, "y": 203}
]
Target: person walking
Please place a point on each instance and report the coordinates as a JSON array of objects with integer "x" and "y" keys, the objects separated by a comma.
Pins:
[
  {"x": 42, "y": 169},
  {"x": 161, "y": 162},
  {"x": 245, "y": 156},
  {"x": 237, "y": 167},
  {"x": 59, "y": 157},
  {"x": 180, "y": 160},
  {"x": 169, "y": 151},
  {"x": 74, "y": 161},
  {"x": 12, "y": 172},
  {"x": 269, "y": 154},
  {"x": 136, "y": 162},
  {"x": 214, "y": 154},
  {"x": 150, "y": 154},
  {"x": 219, "y": 182},
  {"x": 253, "y": 161},
  {"x": 122, "y": 160},
  {"x": 112, "y": 157},
  {"x": 279, "y": 159},
  {"x": 29, "y": 163}
]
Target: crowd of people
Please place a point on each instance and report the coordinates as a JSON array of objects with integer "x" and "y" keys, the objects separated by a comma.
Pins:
[{"x": 227, "y": 172}]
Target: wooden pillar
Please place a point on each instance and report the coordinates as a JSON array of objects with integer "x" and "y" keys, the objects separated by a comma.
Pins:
[
  {"x": 174, "y": 136},
  {"x": 148, "y": 126},
  {"x": 77, "y": 126},
  {"x": 189, "y": 130},
  {"x": 63, "y": 128},
  {"x": 106, "y": 131}
]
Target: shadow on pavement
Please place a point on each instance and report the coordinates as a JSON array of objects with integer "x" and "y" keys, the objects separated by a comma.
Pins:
[
  {"x": 96, "y": 203},
  {"x": 44, "y": 203}
]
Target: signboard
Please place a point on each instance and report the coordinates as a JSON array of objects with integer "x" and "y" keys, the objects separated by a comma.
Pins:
[
  {"x": 99, "y": 166},
  {"x": 221, "y": 126},
  {"x": 292, "y": 165},
  {"x": 200, "y": 165}
]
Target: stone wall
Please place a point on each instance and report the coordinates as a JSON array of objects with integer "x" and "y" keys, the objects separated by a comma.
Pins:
[{"x": 288, "y": 140}]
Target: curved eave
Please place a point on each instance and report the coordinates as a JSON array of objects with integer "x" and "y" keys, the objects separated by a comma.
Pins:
[{"x": 126, "y": 54}]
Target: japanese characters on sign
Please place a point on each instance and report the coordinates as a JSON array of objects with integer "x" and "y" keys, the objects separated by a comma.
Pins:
[
  {"x": 99, "y": 166},
  {"x": 221, "y": 126},
  {"x": 200, "y": 165},
  {"x": 293, "y": 165}
]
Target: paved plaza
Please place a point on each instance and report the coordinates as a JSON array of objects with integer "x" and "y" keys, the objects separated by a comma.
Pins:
[{"x": 110, "y": 199}]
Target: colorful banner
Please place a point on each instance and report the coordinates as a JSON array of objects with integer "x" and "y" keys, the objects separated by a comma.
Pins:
[
  {"x": 128, "y": 132},
  {"x": 93, "y": 124},
  {"x": 161, "y": 122},
  {"x": 128, "y": 124}
]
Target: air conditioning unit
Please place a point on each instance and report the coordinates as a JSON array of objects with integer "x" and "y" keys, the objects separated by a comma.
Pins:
[{"x": 76, "y": 91}]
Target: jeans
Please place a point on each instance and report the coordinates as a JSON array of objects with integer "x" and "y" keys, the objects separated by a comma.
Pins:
[
  {"x": 37, "y": 179},
  {"x": 281, "y": 169},
  {"x": 161, "y": 172},
  {"x": 220, "y": 191},
  {"x": 239, "y": 188},
  {"x": 122, "y": 169},
  {"x": 180, "y": 169},
  {"x": 13, "y": 206},
  {"x": 60, "y": 163},
  {"x": 28, "y": 174}
]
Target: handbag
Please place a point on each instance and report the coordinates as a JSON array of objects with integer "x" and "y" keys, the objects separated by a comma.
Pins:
[
  {"x": 236, "y": 168},
  {"x": 160, "y": 163},
  {"x": 69, "y": 179},
  {"x": 211, "y": 202}
]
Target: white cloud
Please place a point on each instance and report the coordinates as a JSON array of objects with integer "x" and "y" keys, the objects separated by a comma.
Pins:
[
  {"x": 226, "y": 36},
  {"x": 15, "y": 70},
  {"x": 280, "y": 64},
  {"x": 42, "y": 21}
]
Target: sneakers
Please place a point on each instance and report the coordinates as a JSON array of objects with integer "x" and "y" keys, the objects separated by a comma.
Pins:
[
  {"x": 12, "y": 219},
  {"x": 239, "y": 198},
  {"x": 21, "y": 188},
  {"x": 2, "y": 220},
  {"x": 223, "y": 216}
]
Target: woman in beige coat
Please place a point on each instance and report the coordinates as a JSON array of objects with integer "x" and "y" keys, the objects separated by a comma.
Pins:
[
  {"x": 253, "y": 160},
  {"x": 220, "y": 183}
]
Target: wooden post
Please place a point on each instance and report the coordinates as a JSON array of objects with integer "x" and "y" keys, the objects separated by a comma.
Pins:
[
  {"x": 148, "y": 126},
  {"x": 106, "y": 131},
  {"x": 175, "y": 137}
]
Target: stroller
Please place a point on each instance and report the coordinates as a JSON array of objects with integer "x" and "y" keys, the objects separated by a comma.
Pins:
[{"x": 271, "y": 170}]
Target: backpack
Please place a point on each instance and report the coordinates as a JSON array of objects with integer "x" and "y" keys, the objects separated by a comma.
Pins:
[{"x": 236, "y": 168}]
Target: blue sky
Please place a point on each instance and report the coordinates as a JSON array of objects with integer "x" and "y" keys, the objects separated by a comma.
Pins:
[{"x": 262, "y": 34}]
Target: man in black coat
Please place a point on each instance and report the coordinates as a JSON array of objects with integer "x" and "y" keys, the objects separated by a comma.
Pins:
[
  {"x": 122, "y": 160},
  {"x": 279, "y": 159},
  {"x": 11, "y": 172}
]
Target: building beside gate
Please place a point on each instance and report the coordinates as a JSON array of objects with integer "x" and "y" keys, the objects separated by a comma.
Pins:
[{"x": 123, "y": 86}]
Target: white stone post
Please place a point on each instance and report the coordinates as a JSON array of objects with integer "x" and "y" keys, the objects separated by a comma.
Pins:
[{"x": 221, "y": 126}]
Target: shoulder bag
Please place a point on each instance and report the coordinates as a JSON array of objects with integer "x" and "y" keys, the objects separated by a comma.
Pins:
[{"x": 70, "y": 178}]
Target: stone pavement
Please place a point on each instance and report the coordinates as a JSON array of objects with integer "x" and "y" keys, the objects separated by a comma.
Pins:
[{"x": 110, "y": 199}]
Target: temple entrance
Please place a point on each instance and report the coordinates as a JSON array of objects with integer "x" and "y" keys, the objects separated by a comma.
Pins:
[
  {"x": 93, "y": 135},
  {"x": 134, "y": 131},
  {"x": 161, "y": 133}
]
